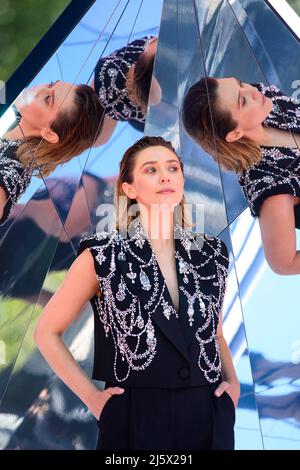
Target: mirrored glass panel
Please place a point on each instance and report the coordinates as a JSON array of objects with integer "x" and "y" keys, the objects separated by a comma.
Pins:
[{"x": 247, "y": 118}]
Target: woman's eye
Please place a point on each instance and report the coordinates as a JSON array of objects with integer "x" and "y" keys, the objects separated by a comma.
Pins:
[
  {"x": 151, "y": 170},
  {"x": 243, "y": 101},
  {"x": 48, "y": 99},
  {"x": 173, "y": 168}
]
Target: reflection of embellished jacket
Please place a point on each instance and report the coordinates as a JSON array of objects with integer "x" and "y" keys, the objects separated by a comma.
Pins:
[
  {"x": 110, "y": 81},
  {"x": 278, "y": 171},
  {"x": 14, "y": 177},
  {"x": 140, "y": 339}
]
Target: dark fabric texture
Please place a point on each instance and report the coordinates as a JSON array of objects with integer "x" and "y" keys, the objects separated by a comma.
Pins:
[
  {"x": 167, "y": 419},
  {"x": 110, "y": 82},
  {"x": 14, "y": 177}
]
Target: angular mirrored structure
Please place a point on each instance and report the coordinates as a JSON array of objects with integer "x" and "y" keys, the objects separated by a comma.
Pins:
[{"x": 39, "y": 240}]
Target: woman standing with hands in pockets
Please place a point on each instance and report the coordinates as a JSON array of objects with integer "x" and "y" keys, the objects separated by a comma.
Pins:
[{"x": 157, "y": 301}]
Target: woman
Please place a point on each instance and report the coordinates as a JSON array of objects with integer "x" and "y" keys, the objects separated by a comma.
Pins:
[
  {"x": 255, "y": 134},
  {"x": 122, "y": 81},
  {"x": 59, "y": 120},
  {"x": 157, "y": 303}
]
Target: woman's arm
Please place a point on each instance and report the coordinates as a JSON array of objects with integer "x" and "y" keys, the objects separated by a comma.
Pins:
[
  {"x": 79, "y": 286},
  {"x": 278, "y": 233},
  {"x": 230, "y": 382}
]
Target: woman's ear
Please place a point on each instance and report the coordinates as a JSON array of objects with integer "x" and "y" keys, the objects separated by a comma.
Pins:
[
  {"x": 232, "y": 136},
  {"x": 48, "y": 134},
  {"x": 129, "y": 190}
]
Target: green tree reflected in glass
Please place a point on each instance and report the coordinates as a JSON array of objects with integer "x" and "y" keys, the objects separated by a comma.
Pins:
[{"x": 22, "y": 24}]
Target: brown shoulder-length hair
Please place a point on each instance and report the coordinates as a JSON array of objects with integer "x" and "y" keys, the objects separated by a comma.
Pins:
[
  {"x": 201, "y": 107},
  {"x": 138, "y": 81},
  {"x": 127, "y": 165},
  {"x": 77, "y": 130}
]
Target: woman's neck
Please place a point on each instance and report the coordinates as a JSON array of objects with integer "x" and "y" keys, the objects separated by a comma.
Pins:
[
  {"x": 280, "y": 138},
  {"x": 20, "y": 132},
  {"x": 159, "y": 228},
  {"x": 273, "y": 137}
]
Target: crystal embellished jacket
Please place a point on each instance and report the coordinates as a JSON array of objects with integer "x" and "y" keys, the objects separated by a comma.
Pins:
[
  {"x": 278, "y": 171},
  {"x": 140, "y": 339}
]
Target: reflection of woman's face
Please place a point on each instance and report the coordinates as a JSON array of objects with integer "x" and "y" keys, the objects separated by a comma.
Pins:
[
  {"x": 157, "y": 178},
  {"x": 247, "y": 106},
  {"x": 40, "y": 104}
]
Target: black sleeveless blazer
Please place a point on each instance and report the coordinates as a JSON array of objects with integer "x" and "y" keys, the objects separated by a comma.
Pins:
[{"x": 140, "y": 340}]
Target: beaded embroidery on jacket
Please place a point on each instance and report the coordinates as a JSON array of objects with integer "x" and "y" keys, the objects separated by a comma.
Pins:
[
  {"x": 112, "y": 77},
  {"x": 135, "y": 321},
  {"x": 279, "y": 166},
  {"x": 15, "y": 178}
]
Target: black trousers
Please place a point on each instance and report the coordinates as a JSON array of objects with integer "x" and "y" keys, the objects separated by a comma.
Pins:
[{"x": 167, "y": 419}]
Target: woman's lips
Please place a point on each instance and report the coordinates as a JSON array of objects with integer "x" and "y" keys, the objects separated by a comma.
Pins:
[{"x": 166, "y": 191}]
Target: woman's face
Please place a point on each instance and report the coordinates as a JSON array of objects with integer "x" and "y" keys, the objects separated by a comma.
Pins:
[
  {"x": 40, "y": 104},
  {"x": 247, "y": 106},
  {"x": 157, "y": 178}
]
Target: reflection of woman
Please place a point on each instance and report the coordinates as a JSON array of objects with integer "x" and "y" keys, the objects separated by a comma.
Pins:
[
  {"x": 122, "y": 81},
  {"x": 157, "y": 302},
  {"x": 58, "y": 122},
  {"x": 254, "y": 134}
]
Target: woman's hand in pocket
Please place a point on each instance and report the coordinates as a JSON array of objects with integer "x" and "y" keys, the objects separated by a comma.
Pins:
[
  {"x": 100, "y": 398},
  {"x": 233, "y": 390}
]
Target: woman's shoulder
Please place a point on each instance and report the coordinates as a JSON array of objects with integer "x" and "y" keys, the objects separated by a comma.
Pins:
[
  {"x": 207, "y": 246},
  {"x": 99, "y": 246},
  {"x": 98, "y": 240}
]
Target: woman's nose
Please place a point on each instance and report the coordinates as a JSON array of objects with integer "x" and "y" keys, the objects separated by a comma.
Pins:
[
  {"x": 255, "y": 95},
  {"x": 164, "y": 178}
]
